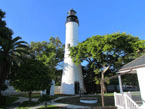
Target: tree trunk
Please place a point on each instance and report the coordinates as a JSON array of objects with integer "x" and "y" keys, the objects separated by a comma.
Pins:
[
  {"x": 105, "y": 89},
  {"x": 0, "y": 97},
  {"x": 3, "y": 75},
  {"x": 102, "y": 84},
  {"x": 30, "y": 92},
  {"x": 102, "y": 93}
]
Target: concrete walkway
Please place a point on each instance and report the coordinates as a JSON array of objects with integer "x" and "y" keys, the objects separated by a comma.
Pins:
[
  {"x": 22, "y": 99},
  {"x": 16, "y": 104},
  {"x": 69, "y": 106}
]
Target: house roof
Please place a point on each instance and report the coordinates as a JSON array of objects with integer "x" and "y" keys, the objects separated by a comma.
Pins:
[{"x": 137, "y": 63}]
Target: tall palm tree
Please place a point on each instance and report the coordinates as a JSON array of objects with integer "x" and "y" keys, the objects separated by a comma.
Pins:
[
  {"x": 10, "y": 52},
  {"x": 11, "y": 49}
]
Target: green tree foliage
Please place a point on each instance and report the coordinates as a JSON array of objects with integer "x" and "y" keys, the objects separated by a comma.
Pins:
[
  {"x": 90, "y": 84},
  {"x": 31, "y": 75},
  {"x": 10, "y": 49},
  {"x": 102, "y": 51},
  {"x": 106, "y": 52},
  {"x": 50, "y": 53}
]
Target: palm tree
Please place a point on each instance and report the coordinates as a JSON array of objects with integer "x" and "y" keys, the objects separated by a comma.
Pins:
[{"x": 11, "y": 51}]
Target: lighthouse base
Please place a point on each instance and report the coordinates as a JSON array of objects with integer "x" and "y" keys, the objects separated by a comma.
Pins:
[
  {"x": 67, "y": 89},
  {"x": 72, "y": 79},
  {"x": 71, "y": 88}
]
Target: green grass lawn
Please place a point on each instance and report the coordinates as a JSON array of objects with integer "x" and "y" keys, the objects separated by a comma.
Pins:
[
  {"x": 51, "y": 107},
  {"x": 7, "y": 101},
  {"x": 27, "y": 105},
  {"x": 108, "y": 94},
  {"x": 108, "y": 99}
]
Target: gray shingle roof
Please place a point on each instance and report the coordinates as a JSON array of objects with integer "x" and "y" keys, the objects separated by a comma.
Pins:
[{"x": 137, "y": 63}]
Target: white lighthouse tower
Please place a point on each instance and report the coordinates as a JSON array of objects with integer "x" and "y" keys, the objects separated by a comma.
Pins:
[{"x": 72, "y": 78}]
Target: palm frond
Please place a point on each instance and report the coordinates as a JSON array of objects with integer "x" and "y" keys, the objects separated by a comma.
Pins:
[
  {"x": 21, "y": 51},
  {"x": 18, "y": 43},
  {"x": 16, "y": 39},
  {"x": 21, "y": 46}
]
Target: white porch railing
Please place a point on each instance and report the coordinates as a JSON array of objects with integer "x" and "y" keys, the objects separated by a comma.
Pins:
[
  {"x": 124, "y": 101},
  {"x": 119, "y": 100}
]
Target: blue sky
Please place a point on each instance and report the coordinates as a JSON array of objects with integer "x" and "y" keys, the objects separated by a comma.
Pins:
[{"x": 37, "y": 20}]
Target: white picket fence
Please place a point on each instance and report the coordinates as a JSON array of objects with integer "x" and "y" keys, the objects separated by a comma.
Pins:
[{"x": 124, "y": 101}]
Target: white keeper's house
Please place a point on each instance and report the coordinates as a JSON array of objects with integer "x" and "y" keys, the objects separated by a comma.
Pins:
[{"x": 131, "y": 100}]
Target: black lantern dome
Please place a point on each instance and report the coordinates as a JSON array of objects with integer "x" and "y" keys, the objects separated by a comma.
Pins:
[{"x": 72, "y": 16}]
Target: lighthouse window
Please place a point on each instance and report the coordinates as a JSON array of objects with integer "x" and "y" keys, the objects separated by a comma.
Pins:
[{"x": 68, "y": 45}]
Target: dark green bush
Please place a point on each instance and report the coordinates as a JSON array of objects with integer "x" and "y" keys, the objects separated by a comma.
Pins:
[{"x": 45, "y": 98}]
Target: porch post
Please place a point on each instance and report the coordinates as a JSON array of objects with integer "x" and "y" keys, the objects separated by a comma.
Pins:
[
  {"x": 120, "y": 84},
  {"x": 141, "y": 80}
]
